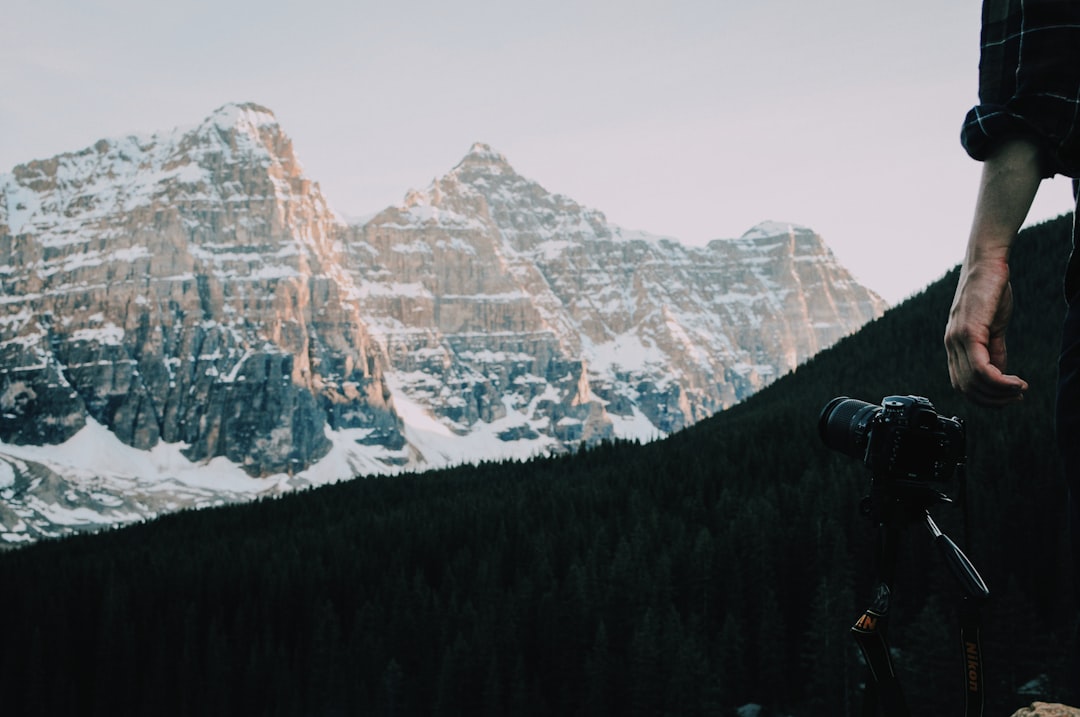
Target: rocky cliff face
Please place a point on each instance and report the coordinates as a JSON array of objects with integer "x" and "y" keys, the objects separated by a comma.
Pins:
[
  {"x": 182, "y": 288},
  {"x": 528, "y": 303},
  {"x": 193, "y": 290}
]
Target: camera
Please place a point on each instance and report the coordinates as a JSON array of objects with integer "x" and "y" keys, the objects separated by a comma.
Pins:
[{"x": 904, "y": 438}]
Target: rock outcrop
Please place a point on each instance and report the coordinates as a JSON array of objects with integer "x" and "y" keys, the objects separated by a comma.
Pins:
[{"x": 1047, "y": 709}]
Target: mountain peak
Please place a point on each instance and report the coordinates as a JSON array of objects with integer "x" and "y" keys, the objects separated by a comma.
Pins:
[
  {"x": 240, "y": 119},
  {"x": 774, "y": 229},
  {"x": 247, "y": 128},
  {"x": 235, "y": 115},
  {"x": 482, "y": 151},
  {"x": 483, "y": 158}
]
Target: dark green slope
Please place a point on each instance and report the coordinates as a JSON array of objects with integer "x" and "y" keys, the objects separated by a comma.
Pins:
[{"x": 685, "y": 577}]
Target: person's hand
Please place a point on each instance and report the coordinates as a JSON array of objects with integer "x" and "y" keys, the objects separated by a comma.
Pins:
[{"x": 975, "y": 334}]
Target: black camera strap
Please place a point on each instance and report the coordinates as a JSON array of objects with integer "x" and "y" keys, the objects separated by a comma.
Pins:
[
  {"x": 974, "y": 693},
  {"x": 970, "y": 619},
  {"x": 882, "y": 692}
]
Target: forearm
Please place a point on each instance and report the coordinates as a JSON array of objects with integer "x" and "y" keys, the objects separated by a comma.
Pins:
[
  {"x": 982, "y": 306},
  {"x": 1010, "y": 178}
]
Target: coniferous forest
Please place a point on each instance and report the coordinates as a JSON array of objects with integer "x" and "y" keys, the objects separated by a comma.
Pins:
[{"x": 719, "y": 567}]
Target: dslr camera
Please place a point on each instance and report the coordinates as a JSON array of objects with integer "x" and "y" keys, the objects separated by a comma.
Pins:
[{"x": 903, "y": 439}]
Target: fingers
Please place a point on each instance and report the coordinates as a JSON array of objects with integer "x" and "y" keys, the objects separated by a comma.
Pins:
[
  {"x": 975, "y": 335},
  {"x": 975, "y": 376}
]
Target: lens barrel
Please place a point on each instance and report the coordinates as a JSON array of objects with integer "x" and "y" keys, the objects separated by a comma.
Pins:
[{"x": 844, "y": 425}]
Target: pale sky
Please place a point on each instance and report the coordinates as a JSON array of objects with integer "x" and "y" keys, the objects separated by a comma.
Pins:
[{"x": 692, "y": 119}]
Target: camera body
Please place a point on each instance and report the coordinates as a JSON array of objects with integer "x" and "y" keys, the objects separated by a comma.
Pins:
[{"x": 904, "y": 438}]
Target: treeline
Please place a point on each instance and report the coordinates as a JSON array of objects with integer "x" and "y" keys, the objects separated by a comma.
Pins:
[{"x": 719, "y": 567}]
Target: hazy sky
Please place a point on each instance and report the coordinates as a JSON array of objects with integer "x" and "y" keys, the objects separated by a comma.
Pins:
[{"x": 691, "y": 119}]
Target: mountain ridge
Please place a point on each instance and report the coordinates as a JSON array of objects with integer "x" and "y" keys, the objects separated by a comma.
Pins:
[{"x": 195, "y": 289}]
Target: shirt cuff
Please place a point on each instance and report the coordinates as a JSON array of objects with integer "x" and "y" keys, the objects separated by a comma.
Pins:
[{"x": 986, "y": 127}]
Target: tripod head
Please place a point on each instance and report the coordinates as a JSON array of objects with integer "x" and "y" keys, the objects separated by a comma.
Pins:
[{"x": 894, "y": 504}]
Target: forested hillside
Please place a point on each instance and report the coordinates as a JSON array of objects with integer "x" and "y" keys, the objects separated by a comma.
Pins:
[{"x": 719, "y": 567}]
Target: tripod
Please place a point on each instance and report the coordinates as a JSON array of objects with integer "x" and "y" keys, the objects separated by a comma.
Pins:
[{"x": 895, "y": 504}]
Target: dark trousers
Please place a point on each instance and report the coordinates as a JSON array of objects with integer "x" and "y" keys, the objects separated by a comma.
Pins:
[
  {"x": 1068, "y": 427},
  {"x": 1068, "y": 394},
  {"x": 1068, "y": 435}
]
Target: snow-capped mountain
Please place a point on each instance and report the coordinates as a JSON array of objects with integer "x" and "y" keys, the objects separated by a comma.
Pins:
[{"x": 190, "y": 298}]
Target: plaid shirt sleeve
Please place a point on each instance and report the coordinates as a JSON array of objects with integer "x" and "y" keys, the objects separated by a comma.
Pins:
[{"x": 1029, "y": 81}]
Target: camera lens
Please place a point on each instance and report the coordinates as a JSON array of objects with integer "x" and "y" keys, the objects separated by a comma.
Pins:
[{"x": 844, "y": 425}]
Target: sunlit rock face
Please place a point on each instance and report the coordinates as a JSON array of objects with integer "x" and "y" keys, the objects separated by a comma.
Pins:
[
  {"x": 185, "y": 287},
  {"x": 193, "y": 289},
  {"x": 516, "y": 299}
]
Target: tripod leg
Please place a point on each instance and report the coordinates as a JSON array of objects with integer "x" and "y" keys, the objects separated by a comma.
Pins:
[{"x": 958, "y": 563}]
